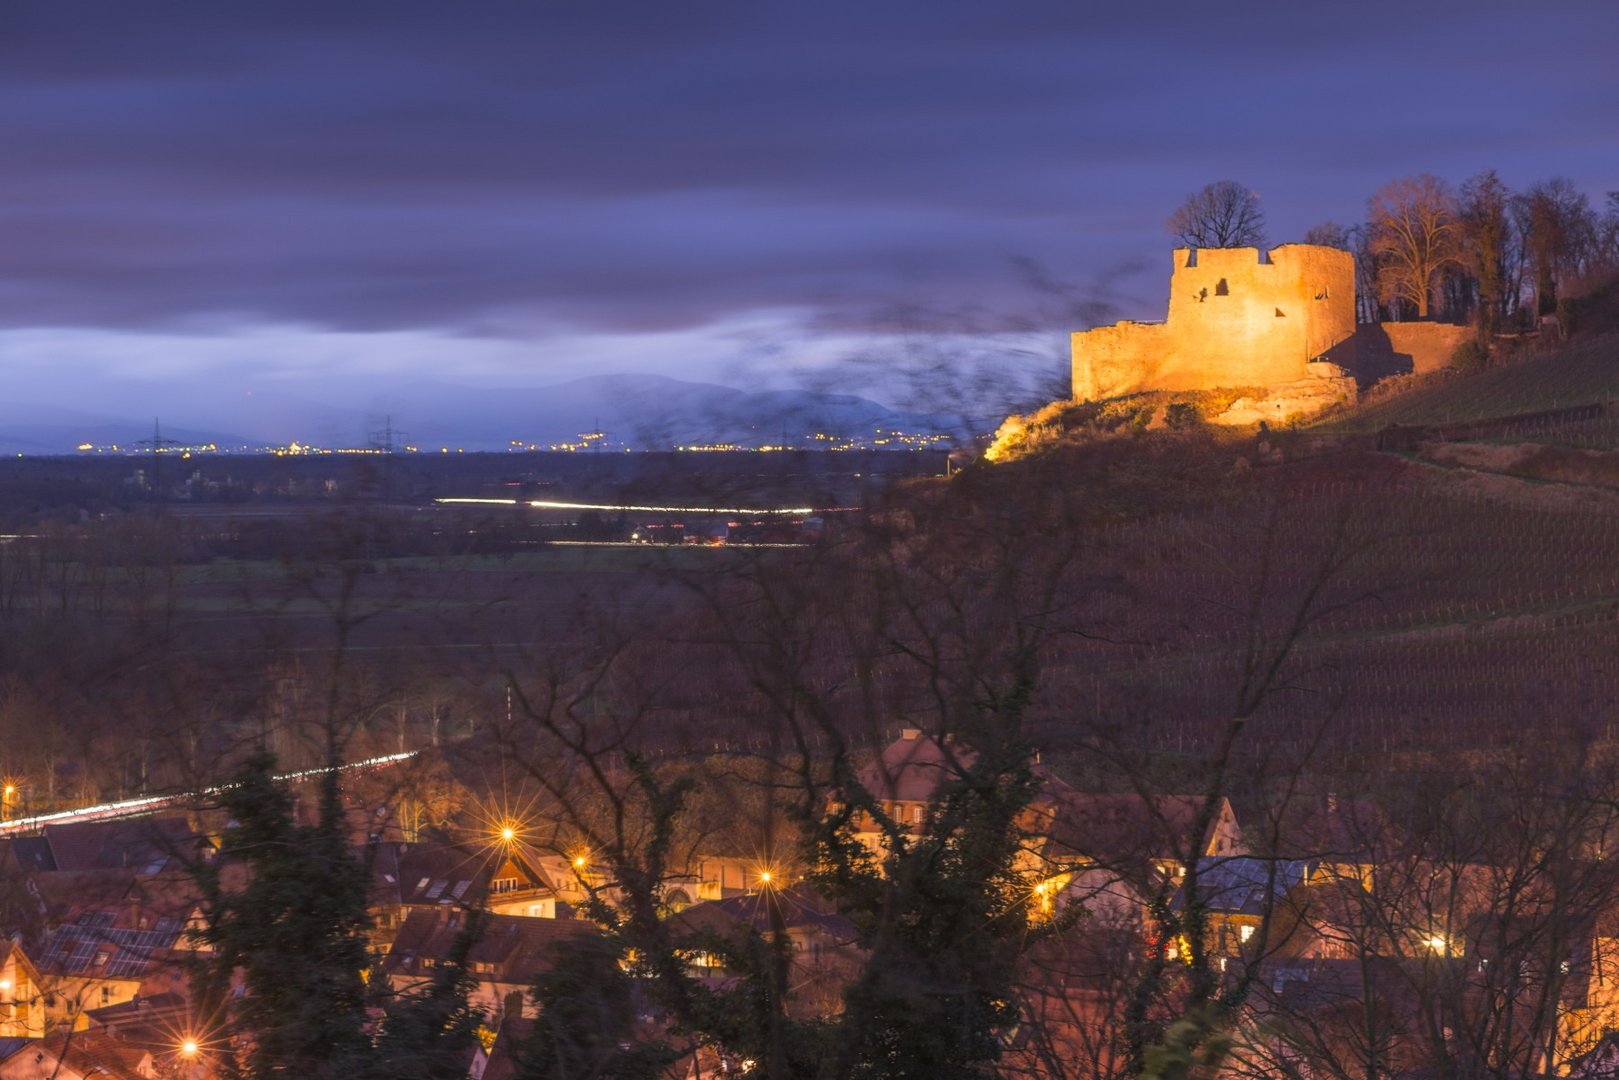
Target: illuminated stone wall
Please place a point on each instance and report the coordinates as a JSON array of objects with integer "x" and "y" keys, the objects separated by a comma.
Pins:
[
  {"x": 1234, "y": 320},
  {"x": 1429, "y": 345}
]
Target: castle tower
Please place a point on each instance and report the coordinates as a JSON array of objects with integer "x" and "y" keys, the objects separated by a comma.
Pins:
[{"x": 1236, "y": 318}]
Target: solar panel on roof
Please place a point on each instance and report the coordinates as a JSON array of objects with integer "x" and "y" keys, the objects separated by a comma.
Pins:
[
  {"x": 82, "y": 952},
  {"x": 131, "y": 960}
]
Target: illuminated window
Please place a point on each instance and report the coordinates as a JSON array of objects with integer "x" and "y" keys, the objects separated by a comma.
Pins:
[{"x": 1245, "y": 933}]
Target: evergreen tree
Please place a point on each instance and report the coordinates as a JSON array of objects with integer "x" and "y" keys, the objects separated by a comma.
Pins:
[
  {"x": 587, "y": 1018},
  {"x": 294, "y": 935},
  {"x": 428, "y": 1035}
]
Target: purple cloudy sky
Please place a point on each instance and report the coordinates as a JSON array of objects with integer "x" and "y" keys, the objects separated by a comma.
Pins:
[{"x": 328, "y": 197}]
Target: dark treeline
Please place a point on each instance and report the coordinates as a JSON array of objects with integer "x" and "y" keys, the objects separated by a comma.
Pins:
[{"x": 1475, "y": 253}]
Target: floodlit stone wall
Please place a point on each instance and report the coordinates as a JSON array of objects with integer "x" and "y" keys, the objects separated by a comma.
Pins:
[
  {"x": 1429, "y": 345},
  {"x": 1234, "y": 320}
]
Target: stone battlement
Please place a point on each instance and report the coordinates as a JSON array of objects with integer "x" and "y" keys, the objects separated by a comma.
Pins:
[{"x": 1236, "y": 317}]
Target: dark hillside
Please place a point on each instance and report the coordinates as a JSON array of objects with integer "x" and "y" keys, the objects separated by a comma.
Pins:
[{"x": 1586, "y": 372}]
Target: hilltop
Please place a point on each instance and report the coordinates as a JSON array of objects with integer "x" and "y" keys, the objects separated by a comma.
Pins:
[{"x": 1465, "y": 569}]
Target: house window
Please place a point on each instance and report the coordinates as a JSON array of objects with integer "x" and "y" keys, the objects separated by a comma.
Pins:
[{"x": 1245, "y": 932}]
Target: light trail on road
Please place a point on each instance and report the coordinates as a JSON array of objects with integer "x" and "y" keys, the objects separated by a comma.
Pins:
[
  {"x": 548, "y": 504},
  {"x": 146, "y": 804}
]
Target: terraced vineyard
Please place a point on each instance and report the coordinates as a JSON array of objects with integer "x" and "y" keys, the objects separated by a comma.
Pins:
[{"x": 1584, "y": 373}]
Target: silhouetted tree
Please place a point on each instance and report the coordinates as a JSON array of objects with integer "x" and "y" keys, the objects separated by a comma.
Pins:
[
  {"x": 294, "y": 934},
  {"x": 1558, "y": 230},
  {"x": 1487, "y": 247},
  {"x": 1414, "y": 234},
  {"x": 1224, "y": 214}
]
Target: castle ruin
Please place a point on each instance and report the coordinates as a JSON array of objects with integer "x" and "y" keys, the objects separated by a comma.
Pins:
[{"x": 1282, "y": 320}]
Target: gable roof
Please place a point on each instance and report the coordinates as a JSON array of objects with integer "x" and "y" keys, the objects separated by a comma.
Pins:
[
  {"x": 32, "y": 853},
  {"x": 144, "y": 845},
  {"x": 798, "y": 909},
  {"x": 912, "y": 767},
  {"x": 1340, "y": 830},
  {"x": 13, "y": 951},
  {"x": 95, "y": 948},
  {"x": 1244, "y": 884},
  {"x": 89, "y": 1054},
  {"x": 1124, "y": 827},
  {"x": 511, "y": 948}
]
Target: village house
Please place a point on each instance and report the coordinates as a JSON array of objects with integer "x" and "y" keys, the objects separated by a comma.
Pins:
[
  {"x": 501, "y": 879},
  {"x": 1106, "y": 851},
  {"x": 824, "y": 953},
  {"x": 103, "y": 958},
  {"x": 22, "y": 1002},
  {"x": 81, "y": 1055},
  {"x": 509, "y": 952}
]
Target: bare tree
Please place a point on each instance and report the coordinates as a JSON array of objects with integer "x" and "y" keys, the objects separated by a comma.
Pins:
[
  {"x": 1558, "y": 229},
  {"x": 1224, "y": 214},
  {"x": 1487, "y": 247},
  {"x": 1415, "y": 233}
]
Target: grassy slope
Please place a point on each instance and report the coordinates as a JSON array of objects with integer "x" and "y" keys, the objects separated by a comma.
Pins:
[{"x": 1585, "y": 372}]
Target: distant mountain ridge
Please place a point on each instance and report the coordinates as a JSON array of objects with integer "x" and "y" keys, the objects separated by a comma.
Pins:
[{"x": 642, "y": 412}]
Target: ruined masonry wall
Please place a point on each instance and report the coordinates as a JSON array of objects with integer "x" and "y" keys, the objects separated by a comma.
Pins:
[
  {"x": 1429, "y": 345},
  {"x": 1233, "y": 321}
]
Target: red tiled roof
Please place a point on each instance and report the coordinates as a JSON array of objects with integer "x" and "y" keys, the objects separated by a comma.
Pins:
[
  {"x": 799, "y": 908},
  {"x": 90, "y": 1053},
  {"x": 1110, "y": 827},
  {"x": 511, "y": 949},
  {"x": 911, "y": 768},
  {"x": 145, "y": 845}
]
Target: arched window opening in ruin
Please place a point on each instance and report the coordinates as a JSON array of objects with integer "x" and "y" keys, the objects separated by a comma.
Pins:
[
  {"x": 1191, "y": 257},
  {"x": 1221, "y": 288}
]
